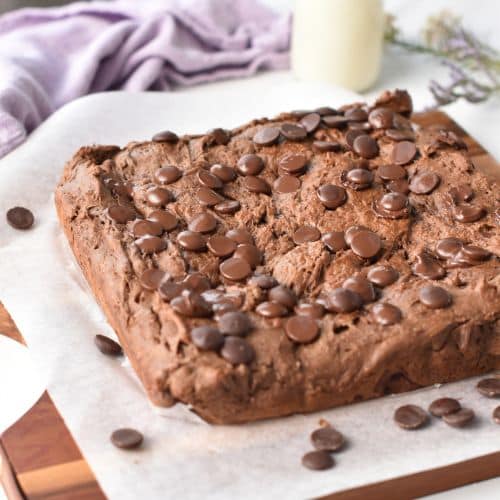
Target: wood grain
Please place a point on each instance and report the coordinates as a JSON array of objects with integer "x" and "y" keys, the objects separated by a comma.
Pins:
[{"x": 39, "y": 458}]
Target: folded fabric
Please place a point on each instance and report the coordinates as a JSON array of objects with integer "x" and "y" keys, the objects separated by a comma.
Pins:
[{"x": 49, "y": 57}]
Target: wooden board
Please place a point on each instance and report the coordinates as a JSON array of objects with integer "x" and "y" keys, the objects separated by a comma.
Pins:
[{"x": 39, "y": 458}]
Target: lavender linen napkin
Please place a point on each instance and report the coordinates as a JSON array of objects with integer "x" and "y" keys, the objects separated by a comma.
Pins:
[{"x": 50, "y": 56}]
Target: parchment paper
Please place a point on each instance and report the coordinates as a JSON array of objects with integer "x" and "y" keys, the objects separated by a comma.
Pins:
[{"x": 184, "y": 457}]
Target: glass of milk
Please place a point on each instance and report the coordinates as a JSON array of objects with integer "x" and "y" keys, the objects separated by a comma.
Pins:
[{"x": 338, "y": 41}]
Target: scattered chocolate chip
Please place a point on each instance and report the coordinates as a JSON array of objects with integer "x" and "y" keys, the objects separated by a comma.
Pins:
[
  {"x": 306, "y": 234},
  {"x": 203, "y": 223},
  {"x": 151, "y": 244},
  {"x": 318, "y": 460},
  {"x": 191, "y": 304},
  {"x": 404, "y": 152},
  {"x": 20, "y": 218},
  {"x": 165, "y": 136},
  {"x": 249, "y": 253},
  {"x": 256, "y": 185},
  {"x": 266, "y": 136},
  {"x": 283, "y": 295},
  {"x": 121, "y": 214},
  {"x": 332, "y": 196},
  {"x": 365, "y": 146},
  {"x": 293, "y": 132},
  {"x": 311, "y": 122},
  {"x": 208, "y": 197},
  {"x": 189, "y": 240},
  {"x": 361, "y": 126},
  {"x": 146, "y": 227},
  {"x": 127, "y": 439},
  {"x": 447, "y": 248},
  {"x": 424, "y": 182},
  {"x": 392, "y": 206},
  {"x": 209, "y": 180},
  {"x": 301, "y": 329},
  {"x": 357, "y": 178},
  {"x": 158, "y": 197},
  {"x": 325, "y": 110},
  {"x": 366, "y": 244},
  {"x": 167, "y": 175},
  {"x": 360, "y": 285},
  {"x": 271, "y": 309},
  {"x": 444, "y": 406},
  {"x": 428, "y": 267},
  {"x": 351, "y": 135},
  {"x": 473, "y": 253},
  {"x": 219, "y": 136},
  {"x": 240, "y": 235},
  {"x": 410, "y": 417},
  {"x": 460, "y": 418},
  {"x": 351, "y": 231},
  {"x": 227, "y": 207},
  {"x": 196, "y": 282},
  {"x": 391, "y": 172},
  {"x": 327, "y": 438},
  {"x": 334, "y": 241},
  {"x": 381, "y": 118},
  {"x": 263, "y": 281},
  {"x": 462, "y": 193},
  {"x": 237, "y": 351},
  {"x": 235, "y": 269},
  {"x": 207, "y": 338},
  {"x": 398, "y": 186},
  {"x": 400, "y": 135},
  {"x": 496, "y": 415},
  {"x": 382, "y": 276},
  {"x": 316, "y": 310},
  {"x": 108, "y": 346},
  {"x": 250, "y": 164},
  {"x": 489, "y": 387},
  {"x": 167, "y": 220},
  {"x": 342, "y": 300},
  {"x": 326, "y": 146},
  {"x": 151, "y": 278},
  {"x": 221, "y": 246},
  {"x": 235, "y": 323},
  {"x": 386, "y": 314},
  {"x": 468, "y": 213},
  {"x": 356, "y": 115},
  {"x": 293, "y": 163},
  {"x": 335, "y": 121},
  {"x": 434, "y": 297},
  {"x": 224, "y": 173},
  {"x": 285, "y": 184}
]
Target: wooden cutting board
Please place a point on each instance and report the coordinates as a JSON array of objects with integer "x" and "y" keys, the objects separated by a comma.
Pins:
[{"x": 39, "y": 459}]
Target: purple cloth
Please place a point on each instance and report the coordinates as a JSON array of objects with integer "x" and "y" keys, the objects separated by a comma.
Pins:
[{"x": 49, "y": 57}]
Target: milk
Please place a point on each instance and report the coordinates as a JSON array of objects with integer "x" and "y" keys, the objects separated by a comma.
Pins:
[{"x": 338, "y": 41}]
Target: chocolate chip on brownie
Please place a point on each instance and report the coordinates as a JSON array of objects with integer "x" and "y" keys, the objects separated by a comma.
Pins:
[{"x": 20, "y": 218}]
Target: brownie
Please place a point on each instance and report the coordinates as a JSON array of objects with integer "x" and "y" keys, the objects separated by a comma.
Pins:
[{"x": 293, "y": 264}]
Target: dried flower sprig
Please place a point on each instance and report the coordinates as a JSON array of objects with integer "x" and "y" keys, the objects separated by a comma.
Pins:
[{"x": 474, "y": 66}]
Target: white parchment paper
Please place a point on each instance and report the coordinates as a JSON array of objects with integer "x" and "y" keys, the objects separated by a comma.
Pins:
[{"x": 184, "y": 457}]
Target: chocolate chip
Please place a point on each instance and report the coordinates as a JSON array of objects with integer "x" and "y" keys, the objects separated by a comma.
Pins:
[
  {"x": 306, "y": 234},
  {"x": 167, "y": 220},
  {"x": 460, "y": 418},
  {"x": 167, "y": 175},
  {"x": 444, "y": 406},
  {"x": 489, "y": 387},
  {"x": 335, "y": 121},
  {"x": 434, "y": 297},
  {"x": 224, "y": 173},
  {"x": 366, "y": 244},
  {"x": 325, "y": 110},
  {"x": 126, "y": 439},
  {"x": 351, "y": 231},
  {"x": 386, "y": 314},
  {"x": 266, "y": 136},
  {"x": 271, "y": 309},
  {"x": 424, "y": 182},
  {"x": 351, "y": 135},
  {"x": 447, "y": 248},
  {"x": 428, "y": 267},
  {"x": 361, "y": 126},
  {"x": 357, "y": 178},
  {"x": 496, "y": 415},
  {"x": 301, "y": 329},
  {"x": 327, "y": 438},
  {"x": 365, "y": 146},
  {"x": 158, "y": 197},
  {"x": 285, "y": 184},
  {"x": 410, "y": 417},
  {"x": 237, "y": 351},
  {"x": 311, "y": 122},
  {"x": 227, "y": 207},
  {"x": 165, "y": 136},
  {"x": 332, "y": 196},
  {"x": 209, "y": 180},
  {"x": 293, "y": 163},
  {"x": 196, "y": 282},
  {"x": 404, "y": 152},
  {"x": 146, "y": 227},
  {"x": 468, "y": 213},
  {"x": 250, "y": 253},
  {"x": 219, "y": 136},
  {"x": 356, "y": 115},
  {"x": 462, "y": 193},
  {"x": 263, "y": 281},
  {"x": 20, "y": 218},
  {"x": 293, "y": 132},
  {"x": 208, "y": 197},
  {"x": 342, "y": 300},
  {"x": 326, "y": 146},
  {"x": 108, "y": 346},
  {"x": 399, "y": 186},
  {"x": 316, "y": 311},
  {"x": 334, "y": 241},
  {"x": 283, "y": 295},
  {"x": 392, "y": 206},
  {"x": 235, "y": 323},
  {"x": 382, "y": 276},
  {"x": 121, "y": 214},
  {"x": 250, "y": 164},
  {"x": 381, "y": 118},
  {"x": 256, "y": 185},
  {"x": 189, "y": 240},
  {"x": 235, "y": 269},
  {"x": 400, "y": 135},
  {"x": 151, "y": 278},
  {"x": 391, "y": 172},
  {"x": 221, "y": 246},
  {"x": 474, "y": 253},
  {"x": 151, "y": 244},
  {"x": 240, "y": 235},
  {"x": 360, "y": 285},
  {"x": 207, "y": 338},
  {"x": 191, "y": 304},
  {"x": 203, "y": 223},
  {"x": 318, "y": 460}
]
